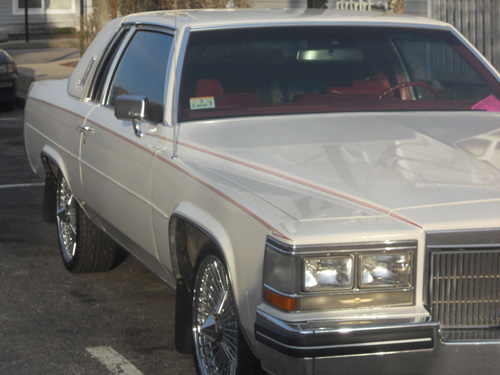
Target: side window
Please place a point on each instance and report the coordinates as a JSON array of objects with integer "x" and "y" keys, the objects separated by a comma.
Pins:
[
  {"x": 142, "y": 69},
  {"x": 99, "y": 80}
]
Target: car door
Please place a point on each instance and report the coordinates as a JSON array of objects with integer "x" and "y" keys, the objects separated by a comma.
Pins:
[{"x": 115, "y": 162}]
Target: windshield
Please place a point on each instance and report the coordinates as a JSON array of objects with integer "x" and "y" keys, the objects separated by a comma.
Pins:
[{"x": 284, "y": 70}]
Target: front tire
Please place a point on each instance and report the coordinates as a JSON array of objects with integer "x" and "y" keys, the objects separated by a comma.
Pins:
[
  {"x": 84, "y": 247},
  {"x": 219, "y": 345}
]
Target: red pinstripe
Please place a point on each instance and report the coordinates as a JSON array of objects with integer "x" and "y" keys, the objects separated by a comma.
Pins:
[
  {"x": 304, "y": 183},
  {"x": 204, "y": 183}
]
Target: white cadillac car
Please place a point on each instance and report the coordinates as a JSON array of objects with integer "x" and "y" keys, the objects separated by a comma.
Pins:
[{"x": 321, "y": 188}]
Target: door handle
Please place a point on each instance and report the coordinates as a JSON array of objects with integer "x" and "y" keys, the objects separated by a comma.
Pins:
[{"x": 85, "y": 129}]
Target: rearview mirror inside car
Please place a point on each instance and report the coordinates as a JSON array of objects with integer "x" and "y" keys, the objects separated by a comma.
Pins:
[{"x": 337, "y": 55}]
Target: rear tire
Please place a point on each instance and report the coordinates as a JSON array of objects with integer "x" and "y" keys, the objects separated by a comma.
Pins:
[
  {"x": 219, "y": 345},
  {"x": 84, "y": 247}
]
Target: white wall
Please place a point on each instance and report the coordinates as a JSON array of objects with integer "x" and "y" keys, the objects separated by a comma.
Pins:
[
  {"x": 415, "y": 7},
  {"x": 12, "y": 19}
]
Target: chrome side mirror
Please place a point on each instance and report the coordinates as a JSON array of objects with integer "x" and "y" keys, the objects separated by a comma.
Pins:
[{"x": 132, "y": 108}]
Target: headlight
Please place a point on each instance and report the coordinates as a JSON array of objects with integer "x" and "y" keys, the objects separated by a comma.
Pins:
[
  {"x": 345, "y": 276},
  {"x": 328, "y": 273},
  {"x": 389, "y": 270},
  {"x": 7, "y": 68}
]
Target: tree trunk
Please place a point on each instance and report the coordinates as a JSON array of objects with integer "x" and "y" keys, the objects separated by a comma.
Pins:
[{"x": 396, "y": 6}]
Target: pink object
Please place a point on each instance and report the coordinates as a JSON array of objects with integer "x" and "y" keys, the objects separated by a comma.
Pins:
[{"x": 491, "y": 103}]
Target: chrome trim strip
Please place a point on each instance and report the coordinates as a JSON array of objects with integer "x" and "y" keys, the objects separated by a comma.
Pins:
[
  {"x": 170, "y": 63},
  {"x": 341, "y": 346},
  {"x": 463, "y": 238},
  {"x": 179, "y": 58},
  {"x": 81, "y": 81},
  {"x": 332, "y": 23},
  {"x": 124, "y": 44},
  {"x": 158, "y": 25},
  {"x": 330, "y": 326},
  {"x": 293, "y": 295},
  {"x": 288, "y": 249},
  {"x": 306, "y": 330}
]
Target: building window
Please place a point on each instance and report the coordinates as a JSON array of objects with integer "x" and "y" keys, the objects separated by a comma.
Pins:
[
  {"x": 59, "y": 4},
  {"x": 44, "y": 6},
  {"x": 32, "y": 4}
]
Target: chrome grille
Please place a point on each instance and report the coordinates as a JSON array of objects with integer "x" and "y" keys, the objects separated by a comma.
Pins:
[
  {"x": 486, "y": 334},
  {"x": 464, "y": 293}
]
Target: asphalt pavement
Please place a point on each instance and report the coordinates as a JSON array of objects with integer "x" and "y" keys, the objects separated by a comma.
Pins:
[
  {"x": 42, "y": 59},
  {"x": 55, "y": 322}
]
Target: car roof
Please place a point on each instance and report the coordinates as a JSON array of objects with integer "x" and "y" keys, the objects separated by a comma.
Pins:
[{"x": 227, "y": 18}]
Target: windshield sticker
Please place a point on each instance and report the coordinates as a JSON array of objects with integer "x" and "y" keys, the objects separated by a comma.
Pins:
[{"x": 205, "y": 102}]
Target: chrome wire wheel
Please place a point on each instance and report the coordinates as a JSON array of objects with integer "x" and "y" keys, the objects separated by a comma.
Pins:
[
  {"x": 215, "y": 325},
  {"x": 66, "y": 220}
]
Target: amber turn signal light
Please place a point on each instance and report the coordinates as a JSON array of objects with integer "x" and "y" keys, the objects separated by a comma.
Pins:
[{"x": 280, "y": 301}]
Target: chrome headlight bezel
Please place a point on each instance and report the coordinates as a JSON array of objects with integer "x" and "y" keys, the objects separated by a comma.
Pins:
[
  {"x": 333, "y": 273},
  {"x": 375, "y": 278},
  {"x": 285, "y": 272}
]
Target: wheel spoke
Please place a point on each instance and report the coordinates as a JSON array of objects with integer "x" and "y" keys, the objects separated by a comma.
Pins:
[
  {"x": 229, "y": 350},
  {"x": 233, "y": 365},
  {"x": 222, "y": 301},
  {"x": 231, "y": 333},
  {"x": 208, "y": 300}
]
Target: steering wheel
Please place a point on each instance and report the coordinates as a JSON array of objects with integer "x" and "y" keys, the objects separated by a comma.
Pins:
[{"x": 409, "y": 84}]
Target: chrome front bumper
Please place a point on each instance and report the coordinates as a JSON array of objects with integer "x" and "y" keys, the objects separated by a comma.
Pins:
[{"x": 381, "y": 346}]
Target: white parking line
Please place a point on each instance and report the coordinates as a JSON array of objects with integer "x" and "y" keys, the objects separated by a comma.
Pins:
[
  {"x": 14, "y": 186},
  {"x": 113, "y": 361}
]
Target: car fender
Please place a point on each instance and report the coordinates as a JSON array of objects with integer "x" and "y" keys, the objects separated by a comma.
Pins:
[
  {"x": 210, "y": 225},
  {"x": 215, "y": 230},
  {"x": 48, "y": 153}
]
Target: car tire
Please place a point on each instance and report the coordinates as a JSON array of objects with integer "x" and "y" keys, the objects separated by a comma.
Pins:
[
  {"x": 84, "y": 247},
  {"x": 219, "y": 345}
]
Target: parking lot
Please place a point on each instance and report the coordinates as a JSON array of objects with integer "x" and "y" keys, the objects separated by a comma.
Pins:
[{"x": 55, "y": 322}]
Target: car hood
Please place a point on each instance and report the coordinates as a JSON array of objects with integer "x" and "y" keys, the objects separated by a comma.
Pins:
[
  {"x": 5, "y": 57},
  {"x": 423, "y": 168}
]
